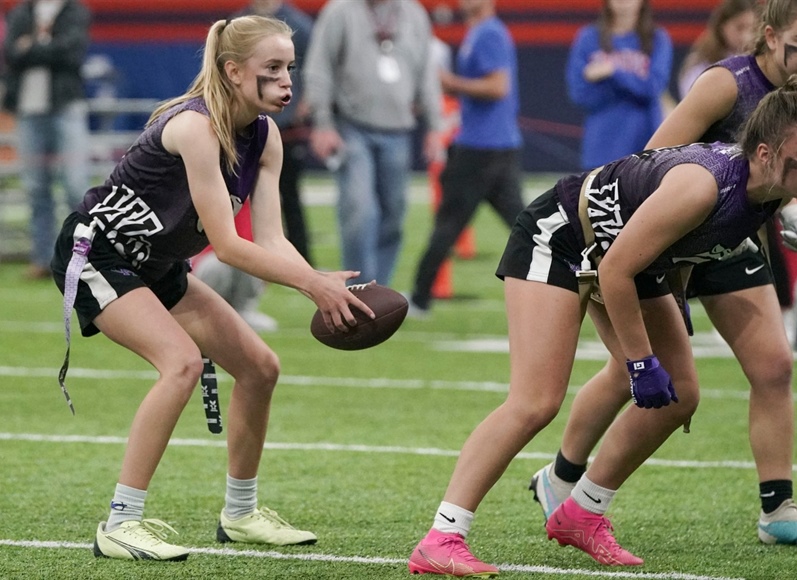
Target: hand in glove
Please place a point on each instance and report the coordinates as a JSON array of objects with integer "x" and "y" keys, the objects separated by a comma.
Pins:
[{"x": 651, "y": 386}]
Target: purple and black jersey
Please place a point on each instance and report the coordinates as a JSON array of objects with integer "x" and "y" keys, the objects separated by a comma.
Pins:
[
  {"x": 145, "y": 209},
  {"x": 623, "y": 185},
  {"x": 752, "y": 86}
]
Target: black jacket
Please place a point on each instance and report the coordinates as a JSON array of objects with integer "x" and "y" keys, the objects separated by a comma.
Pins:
[{"x": 63, "y": 55}]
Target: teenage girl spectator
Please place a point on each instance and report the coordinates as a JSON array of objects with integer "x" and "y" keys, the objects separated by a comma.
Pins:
[
  {"x": 731, "y": 30},
  {"x": 121, "y": 259},
  {"x": 617, "y": 71}
]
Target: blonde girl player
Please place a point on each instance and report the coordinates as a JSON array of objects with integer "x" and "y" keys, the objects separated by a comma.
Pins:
[
  {"x": 650, "y": 212},
  {"x": 738, "y": 295},
  {"x": 176, "y": 191}
]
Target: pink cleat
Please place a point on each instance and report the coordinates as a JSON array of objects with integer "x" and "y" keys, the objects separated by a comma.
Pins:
[
  {"x": 572, "y": 525},
  {"x": 448, "y": 554}
]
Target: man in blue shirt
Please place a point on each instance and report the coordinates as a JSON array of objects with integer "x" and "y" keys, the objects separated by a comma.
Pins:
[{"x": 484, "y": 161}]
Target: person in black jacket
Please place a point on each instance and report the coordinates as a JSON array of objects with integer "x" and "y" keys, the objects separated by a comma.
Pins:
[{"x": 45, "y": 45}]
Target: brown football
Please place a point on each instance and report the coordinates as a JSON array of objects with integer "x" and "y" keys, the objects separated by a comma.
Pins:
[{"x": 390, "y": 308}]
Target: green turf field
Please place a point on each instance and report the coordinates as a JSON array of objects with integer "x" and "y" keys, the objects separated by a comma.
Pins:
[{"x": 360, "y": 447}]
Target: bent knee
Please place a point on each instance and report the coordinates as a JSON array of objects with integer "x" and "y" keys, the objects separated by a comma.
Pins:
[
  {"x": 688, "y": 401},
  {"x": 773, "y": 373},
  {"x": 183, "y": 374},
  {"x": 261, "y": 371},
  {"x": 536, "y": 417},
  {"x": 270, "y": 367}
]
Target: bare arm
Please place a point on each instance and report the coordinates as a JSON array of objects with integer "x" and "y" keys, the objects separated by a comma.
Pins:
[
  {"x": 683, "y": 200},
  {"x": 491, "y": 87},
  {"x": 272, "y": 258},
  {"x": 710, "y": 99}
]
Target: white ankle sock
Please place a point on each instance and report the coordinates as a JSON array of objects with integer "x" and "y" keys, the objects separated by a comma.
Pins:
[
  {"x": 452, "y": 519},
  {"x": 592, "y": 497},
  {"x": 241, "y": 497},
  {"x": 127, "y": 504}
]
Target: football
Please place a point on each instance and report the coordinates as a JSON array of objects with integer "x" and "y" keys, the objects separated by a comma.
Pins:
[{"x": 390, "y": 309}]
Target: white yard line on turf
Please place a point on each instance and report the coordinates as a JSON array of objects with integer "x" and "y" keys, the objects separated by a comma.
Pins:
[
  {"x": 383, "y": 561},
  {"x": 704, "y": 344},
  {"x": 742, "y": 393},
  {"x": 326, "y": 447}
]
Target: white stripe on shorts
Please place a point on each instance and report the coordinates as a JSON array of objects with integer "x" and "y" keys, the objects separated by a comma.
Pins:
[
  {"x": 102, "y": 291},
  {"x": 541, "y": 259}
]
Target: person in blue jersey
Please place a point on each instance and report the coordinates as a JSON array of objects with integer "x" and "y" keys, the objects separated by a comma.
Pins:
[
  {"x": 738, "y": 295},
  {"x": 121, "y": 258},
  {"x": 649, "y": 214},
  {"x": 617, "y": 70},
  {"x": 484, "y": 161}
]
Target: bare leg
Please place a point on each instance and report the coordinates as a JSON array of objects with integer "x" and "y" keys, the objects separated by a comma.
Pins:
[
  {"x": 129, "y": 321},
  {"x": 637, "y": 433},
  {"x": 600, "y": 400},
  {"x": 223, "y": 336},
  {"x": 750, "y": 321},
  {"x": 544, "y": 322}
]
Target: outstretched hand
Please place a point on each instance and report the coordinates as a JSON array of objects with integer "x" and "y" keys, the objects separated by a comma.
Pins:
[
  {"x": 651, "y": 386},
  {"x": 334, "y": 300}
]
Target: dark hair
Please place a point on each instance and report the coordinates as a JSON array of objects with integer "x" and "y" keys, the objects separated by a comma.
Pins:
[
  {"x": 779, "y": 14},
  {"x": 773, "y": 119},
  {"x": 645, "y": 27}
]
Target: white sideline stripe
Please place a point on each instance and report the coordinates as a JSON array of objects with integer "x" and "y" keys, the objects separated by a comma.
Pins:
[
  {"x": 433, "y": 451},
  {"x": 385, "y": 561},
  {"x": 308, "y": 381}
]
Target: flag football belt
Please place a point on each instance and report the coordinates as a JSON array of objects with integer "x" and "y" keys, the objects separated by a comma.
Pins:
[
  {"x": 588, "y": 284},
  {"x": 83, "y": 236}
]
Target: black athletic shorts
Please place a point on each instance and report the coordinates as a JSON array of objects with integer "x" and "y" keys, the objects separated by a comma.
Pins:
[
  {"x": 107, "y": 275},
  {"x": 542, "y": 246},
  {"x": 747, "y": 270}
]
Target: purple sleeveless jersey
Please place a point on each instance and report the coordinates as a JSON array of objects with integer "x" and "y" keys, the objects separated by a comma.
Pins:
[
  {"x": 752, "y": 86},
  {"x": 623, "y": 185},
  {"x": 145, "y": 209}
]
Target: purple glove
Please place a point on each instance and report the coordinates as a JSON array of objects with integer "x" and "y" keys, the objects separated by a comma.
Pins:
[{"x": 651, "y": 386}]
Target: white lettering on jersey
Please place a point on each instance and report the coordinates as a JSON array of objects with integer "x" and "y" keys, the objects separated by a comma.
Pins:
[
  {"x": 719, "y": 252},
  {"x": 603, "y": 211},
  {"x": 127, "y": 222}
]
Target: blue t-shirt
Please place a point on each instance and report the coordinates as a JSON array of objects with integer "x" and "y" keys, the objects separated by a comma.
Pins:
[
  {"x": 624, "y": 110},
  {"x": 489, "y": 124}
]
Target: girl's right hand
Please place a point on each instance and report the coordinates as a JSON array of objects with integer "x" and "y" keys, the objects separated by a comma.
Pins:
[{"x": 334, "y": 300}]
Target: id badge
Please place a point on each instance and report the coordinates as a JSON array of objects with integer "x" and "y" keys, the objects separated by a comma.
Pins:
[{"x": 388, "y": 69}]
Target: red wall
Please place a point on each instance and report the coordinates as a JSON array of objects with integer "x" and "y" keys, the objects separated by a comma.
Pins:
[{"x": 532, "y": 22}]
